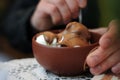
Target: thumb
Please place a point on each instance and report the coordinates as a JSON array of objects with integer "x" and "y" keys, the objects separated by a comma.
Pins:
[{"x": 110, "y": 36}]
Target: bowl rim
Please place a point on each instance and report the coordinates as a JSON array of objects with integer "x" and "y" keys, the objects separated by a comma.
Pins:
[{"x": 50, "y": 47}]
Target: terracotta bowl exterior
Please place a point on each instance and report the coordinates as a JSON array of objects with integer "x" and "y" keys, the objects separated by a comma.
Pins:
[{"x": 63, "y": 61}]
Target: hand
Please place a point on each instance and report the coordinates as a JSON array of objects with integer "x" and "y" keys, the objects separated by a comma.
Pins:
[
  {"x": 100, "y": 31},
  {"x": 53, "y": 12},
  {"x": 107, "y": 55}
]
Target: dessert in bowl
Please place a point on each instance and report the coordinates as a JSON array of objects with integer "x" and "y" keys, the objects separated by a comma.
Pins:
[{"x": 64, "y": 52}]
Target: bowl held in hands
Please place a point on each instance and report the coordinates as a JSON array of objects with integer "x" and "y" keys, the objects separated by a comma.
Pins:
[{"x": 63, "y": 61}]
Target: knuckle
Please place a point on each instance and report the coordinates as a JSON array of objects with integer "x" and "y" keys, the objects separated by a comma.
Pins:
[
  {"x": 53, "y": 9},
  {"x": 106, "y": 65}
]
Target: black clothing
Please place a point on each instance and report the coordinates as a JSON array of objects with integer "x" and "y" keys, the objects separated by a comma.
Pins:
[
  {"x": 17, "y": 24},
  {"x": 19, "y": 30}
]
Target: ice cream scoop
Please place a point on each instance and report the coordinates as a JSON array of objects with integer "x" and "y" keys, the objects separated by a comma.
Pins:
[
  {"x": 74, "y": 35},
  {"x": 47, "y": 38}
]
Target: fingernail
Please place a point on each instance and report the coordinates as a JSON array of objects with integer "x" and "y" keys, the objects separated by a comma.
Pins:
[
  {"x": 115, "y": 70},
  {"x": 92, "y": 61},
  {"x": 82, "y": 3},
  {"x": 96, "y": 70},
  {"x": 105, "y": 43}
]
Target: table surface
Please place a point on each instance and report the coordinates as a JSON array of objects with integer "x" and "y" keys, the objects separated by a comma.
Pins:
[{"x": 30, "y": 69}]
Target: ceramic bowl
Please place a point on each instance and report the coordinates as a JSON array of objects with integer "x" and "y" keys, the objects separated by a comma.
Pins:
[{"x": 65, "y": 61}]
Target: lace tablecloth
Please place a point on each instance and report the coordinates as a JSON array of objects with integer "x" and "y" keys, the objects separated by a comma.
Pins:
[{"x": 29, "y": 69}]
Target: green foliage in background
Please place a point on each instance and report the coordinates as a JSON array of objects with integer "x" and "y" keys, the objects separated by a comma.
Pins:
[{"x": 110, "y": 9}]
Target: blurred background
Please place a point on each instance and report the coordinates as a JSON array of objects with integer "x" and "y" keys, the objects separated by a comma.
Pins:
[
  {"x": 109, "y": 9},
  {"x": 6, "y": 51},
  {"x": 4, "y": 5}
]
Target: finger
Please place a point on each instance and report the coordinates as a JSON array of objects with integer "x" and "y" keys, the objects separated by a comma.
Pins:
[
  {"x": 108, "y": 45},
  {"x": 94, "y": 57},
  {"x": 63, "y": 9},
  {"x": 116, "y": 69},
  {"x": 74, "y": 7},
  {"x": 51, "y": 11},
  {"x": 43, "y": 15},
  {"x": 110, "y": 36},
  {"x": 100, "y": 55},
  {"x": 82, "y": 3},
  {"x": 100, "y": 31},
  {"x": 106, "y": 64}
]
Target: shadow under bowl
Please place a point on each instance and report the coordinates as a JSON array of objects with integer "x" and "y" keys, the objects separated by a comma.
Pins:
[{"x": 64, "y": 61}]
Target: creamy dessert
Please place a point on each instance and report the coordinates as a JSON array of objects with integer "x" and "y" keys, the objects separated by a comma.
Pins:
[
  {"x": 74, "y": 35},
  {"x": 63, "y": 53}
]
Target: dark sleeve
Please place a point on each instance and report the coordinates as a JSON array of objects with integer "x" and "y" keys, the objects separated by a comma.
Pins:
[
  {"x": 91, "y": 14},
  {"x": 17, "y": 25}
]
